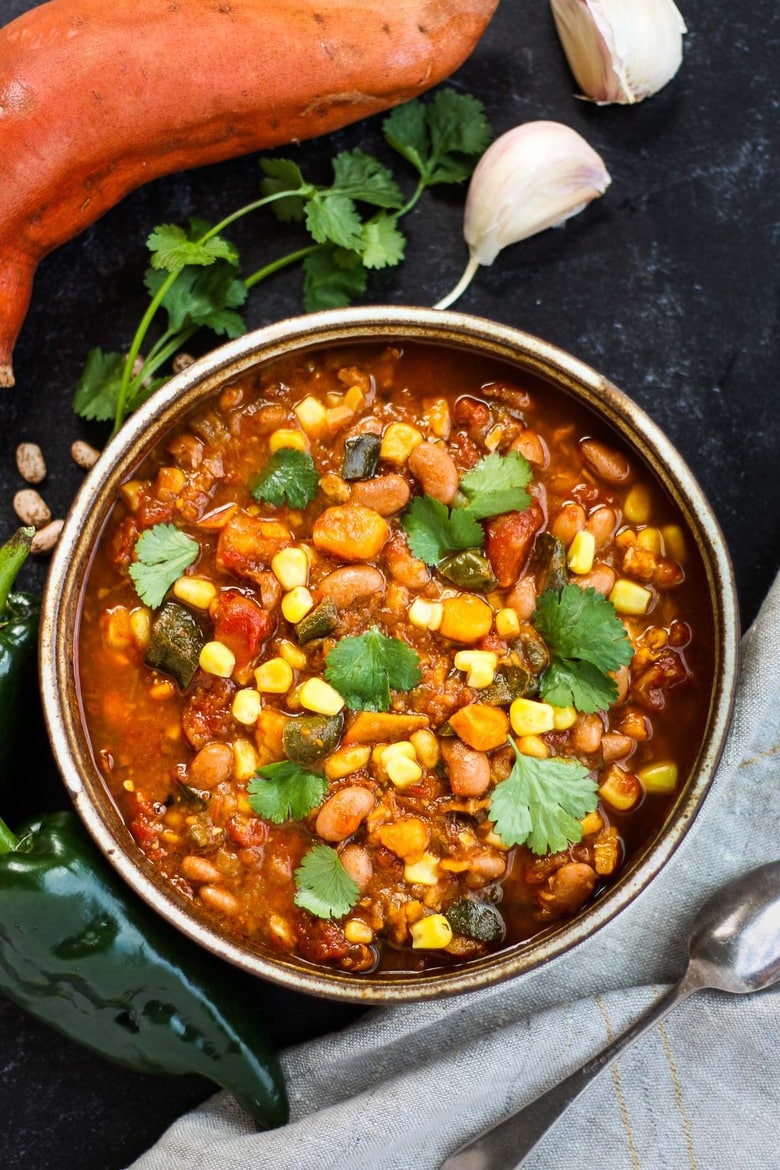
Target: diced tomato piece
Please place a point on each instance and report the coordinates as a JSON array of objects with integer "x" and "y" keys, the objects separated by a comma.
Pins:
[
  {"x": 247, "y": 545},
  {"x": 509, "y": 541},
  {"x": 321, "y": 941},
  {"x": 151, "y": 511},
  {"x": 241, "y": 625},
  {"x": 121, "y": 545}
]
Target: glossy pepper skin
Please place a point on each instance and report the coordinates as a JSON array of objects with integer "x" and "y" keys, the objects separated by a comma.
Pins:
[
  {"x": 19, "y": 614},
  {"x": 82, "y": 953}
]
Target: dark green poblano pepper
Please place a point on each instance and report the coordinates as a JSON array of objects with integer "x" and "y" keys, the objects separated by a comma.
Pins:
[
  {"x": 19, "y": 614},
  {"x": 82, "y": 953}
]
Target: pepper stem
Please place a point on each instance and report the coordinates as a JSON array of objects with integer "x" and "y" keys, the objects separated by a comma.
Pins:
[
  {"x": 460, "y": 287},
  {"x": 13, "y": 554},
  {"x": 8, "y": 840}
]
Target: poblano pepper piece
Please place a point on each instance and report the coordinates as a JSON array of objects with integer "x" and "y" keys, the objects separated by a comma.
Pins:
[
  {"x": 19, "y": 614},
  {"x": 82, "y": 953}
]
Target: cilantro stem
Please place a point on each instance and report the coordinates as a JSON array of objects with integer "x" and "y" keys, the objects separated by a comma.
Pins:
[
  {"x": 460, "y": 287},
  {"x": 414, "y": 200},
  {"x": 159, "y": 297},
  {"x": 277, "y": 265}
]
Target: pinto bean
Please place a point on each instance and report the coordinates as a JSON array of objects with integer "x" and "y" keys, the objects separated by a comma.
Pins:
[
  {"x": 386, "y": 494},
  {"x": 434, "y": 469},
  {"x": 605, "y": 462},
  {"x": 601, "y": 524},
  {"x": 487, "y": 867},
  {"x": 342, "y": 813},
  {"x": 533, "y": 447},
  {"x": 586, "y": 735},
  {"x": 569, "y": 521},
  {"x": 615, "y": 746},
  {"x": 468, "y": 770},
  {"x": 601, "y": 578},
  {"x": 212, "y": 765},
  {"x": 199, "y": 869},
  {"x": 568, "y": 888},
  {"x": 522, "y": 599},
  {"x": 357, "y": 862},
  {"x": 352, "y": 582},
  {"x": 404, "y": 568},
  {"x": 219, "y": 899}
]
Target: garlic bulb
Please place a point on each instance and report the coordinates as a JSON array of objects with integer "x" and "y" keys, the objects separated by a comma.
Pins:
[
  {"x": 532, "y": 178},
  {"x": 620, "y": 50}
]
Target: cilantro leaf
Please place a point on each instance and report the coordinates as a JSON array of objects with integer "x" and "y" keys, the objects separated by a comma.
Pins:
[
  {"x": 365, "y": 668},
  {"x": 97, "y": 390},
  {"x": 442, "y": 140},
  {"x": 205, "y": 297},
  {"x": 285, "y": 792},
  {"x": 289, "y": 475},
  {"x": 541, "y": 802},
  {"x": 163, "y": 553},
  {"x": 497, "y": 484},
  {"x": 586, "y": 639},
  {"x": 433, "y": 530},
  {"x": 362, "y": 177},
  {"x": 283, "y": 175},
  {"x": 332, "y": 278},
  {"x": 173, "y": 247},
  {"x": 324, "y": 887},
  {"x": 382, "y": 244},
  {"x": 333, "y": 218}
]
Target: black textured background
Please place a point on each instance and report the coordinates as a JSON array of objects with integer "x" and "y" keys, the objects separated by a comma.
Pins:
[{"x": 666, "y": 285}]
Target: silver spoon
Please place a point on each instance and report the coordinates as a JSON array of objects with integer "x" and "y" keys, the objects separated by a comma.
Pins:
[{"x": 734, "y": 946}]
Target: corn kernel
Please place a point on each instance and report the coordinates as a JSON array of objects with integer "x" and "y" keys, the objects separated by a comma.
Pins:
[
  {"x": 358, "y": 931},
  {"x": 651, "y": 539},
  {"x": 674, "y": 541},
  {"x": 495, "y": 841},
  {"x": 246, "y": 706},
  {"x": 293, "y": 655},
  {"x": 141, "y": 625},
  {"x": 128, "y": 785},
  {"x": 398, "y": 442},
  {"x": 619, "y": 788},
  {"x": 424, "y": 872},
  {"x": 659, "y": 777},
  {"x": 630, "y": 598},
  {"x": 290, "y": 567},
  {"x": 606, "y": 852},
  {"x": 532, "y": 745},
  {"x": 216, "y": 658},
  {"x": 528, "y": 717},
  {"x": 169, "y": 483},
  {"x": 244, "y": 759},
  {"x": 564, "y": 718},
  {"x": 402, "y": 770},
  {"x": 426, "y": 747},
  {"x": 480, "y": 665},
  {"x": 438, "y": 413},
  {"x": 355, "y": 399},
  {"x": 592, "y": 823},
  {"x": 287, "y": 437},
  {"x": 275, "y": 677},
  {"x": 346, "y": 760},
  {"x": 319, "y": 696},
  {"x": 312, "y": 416},
  {"x": 636, "y": 509},
  {"x": 581, "y": 552},
  {"x": 117, "y": 631},
  {"x": 493, "y": 437},
  {"x": 401, "y": 747},
  {"x": 131, "y": 493},
  {"x": 195, "y": 591},
  {"x": 162, "y": 690},
  {"x": 297, "y": 603},
  {"x": 507, "y": 623},
  {"x": 432, "y": 933},
  {"x": 426, "y": 615}
]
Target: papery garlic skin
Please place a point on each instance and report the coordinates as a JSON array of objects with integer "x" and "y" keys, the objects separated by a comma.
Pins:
[
  {"x": 620, "y": 50},
  {"x": 532, "y": 178}
]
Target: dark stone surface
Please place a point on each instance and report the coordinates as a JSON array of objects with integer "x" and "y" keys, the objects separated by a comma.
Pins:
[{"x": 665, "y": 285}]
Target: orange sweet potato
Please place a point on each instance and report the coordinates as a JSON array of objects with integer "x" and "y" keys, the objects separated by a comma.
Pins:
[{"x": 100, "y": 96}]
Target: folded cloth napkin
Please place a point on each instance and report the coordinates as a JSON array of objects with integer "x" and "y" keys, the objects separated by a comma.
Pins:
[{"x": 404, "y": 1087}]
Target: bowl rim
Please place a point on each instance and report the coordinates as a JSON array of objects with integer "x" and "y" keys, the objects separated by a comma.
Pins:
[{"x": 62, "y": 600}]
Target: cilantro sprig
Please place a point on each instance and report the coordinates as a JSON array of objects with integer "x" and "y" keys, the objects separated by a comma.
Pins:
[
  {"x": 323, "y": 886},
  {"x": 364, "y": 669},
  {"x": 586, "y": 640},
  {"x": 285, "y": 792},
  {"x": 353, "y": 226},
  {"x": 289, "y": 475},
  {"x": 541, "y": 802},
  {"x": 495, "y": 485},
  {"x": 162, "y": 554}
]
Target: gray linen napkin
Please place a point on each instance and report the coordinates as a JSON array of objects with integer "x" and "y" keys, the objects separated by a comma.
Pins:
[{"x": 404, "y": 1087}]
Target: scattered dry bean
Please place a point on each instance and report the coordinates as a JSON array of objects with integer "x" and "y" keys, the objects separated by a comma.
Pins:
[
  {"x": 606, "y": 463},
  {"x": 30, "y": 508},
  {"x": 181, "y": 362},
  {"x": 84, "y": 455},
  {"x": 30, "y": 462},
  {"x": 46, "y": 538}
]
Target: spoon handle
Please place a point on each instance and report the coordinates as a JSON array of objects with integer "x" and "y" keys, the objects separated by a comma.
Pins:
[{"x": 506, "y": 1145}]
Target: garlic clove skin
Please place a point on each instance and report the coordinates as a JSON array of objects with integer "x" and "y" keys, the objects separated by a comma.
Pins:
[
  {"x": 620, "y": 50},
  {"x": 532, "y": 178}
]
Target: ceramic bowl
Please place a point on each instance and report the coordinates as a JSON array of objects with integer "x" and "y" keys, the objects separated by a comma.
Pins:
[{"x": 61, "y": 615}]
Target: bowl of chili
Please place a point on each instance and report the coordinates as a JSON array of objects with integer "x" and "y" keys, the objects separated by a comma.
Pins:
[{"x": 388, "y": 652}]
